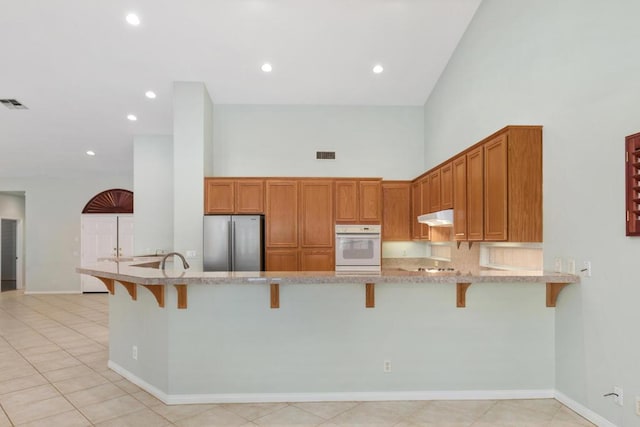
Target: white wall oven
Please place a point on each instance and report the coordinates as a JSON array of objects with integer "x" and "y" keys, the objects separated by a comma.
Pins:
[{"x": 358, "y": 248}]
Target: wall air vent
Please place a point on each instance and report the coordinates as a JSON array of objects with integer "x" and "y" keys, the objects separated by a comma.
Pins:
[
  {"x": 325, "y": 155},
  {"x": 13, "y": 104}
]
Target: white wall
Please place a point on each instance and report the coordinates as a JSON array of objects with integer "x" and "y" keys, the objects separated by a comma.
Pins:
[
  {"x": 11, "y": 206},
  {"x": 153, "y": 193},
  {"x": 273, "y": 140},
  {"x": 573, "y": 67},
  {"x": 52, "y": 226}
]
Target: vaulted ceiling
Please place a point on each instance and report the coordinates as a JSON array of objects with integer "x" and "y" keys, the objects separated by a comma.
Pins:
[{"x": 80, "y": 68}]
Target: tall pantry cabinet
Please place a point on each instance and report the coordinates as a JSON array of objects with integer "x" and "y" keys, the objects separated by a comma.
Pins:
[{"x": 299, "y": 225}]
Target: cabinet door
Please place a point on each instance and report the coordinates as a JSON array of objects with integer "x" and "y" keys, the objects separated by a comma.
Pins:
[
  {"x": 219, "y": 196},
  {"x": 495, "y": 189},
  {"x": 250, "y": 196},
  {"x": 446, "y": 186},
  {"x": 424, "y": 194},
  {"x": 282, "y": 260},
  {"x": 316, "y": 214},
  {"x": 475, "y": 195},
  {"x": 317, "y": 260},
  {"x": 346, "y": 201},
  {"x": 434, "y": 191},
  {"x": 282, "y": 214},
  {"x": 416, "y": 207},
  {"x": 460, "y": 198},
  {"x": 396, "y": 211},
  {"x": 370, "y": 201}
]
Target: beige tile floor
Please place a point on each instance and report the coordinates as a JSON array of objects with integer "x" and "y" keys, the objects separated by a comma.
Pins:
[{"x": 53, "y": 372}]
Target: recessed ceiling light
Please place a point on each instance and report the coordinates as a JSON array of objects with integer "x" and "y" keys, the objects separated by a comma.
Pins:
[
  {"x": 150, "y": 94},
  {"x": 266, "y": 67},
  {"x": 133, "y": 19},
  {"x": 132, "y": 117},
  {"x": 91, "y": 153},
  {"x": 378, "y": 69}
]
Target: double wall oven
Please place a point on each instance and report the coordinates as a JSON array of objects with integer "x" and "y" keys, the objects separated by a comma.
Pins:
[{"x": 358, "y": 248}]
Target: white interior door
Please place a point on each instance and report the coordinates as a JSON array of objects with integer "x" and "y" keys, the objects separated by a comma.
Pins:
[{"x": 99, "y": 240}]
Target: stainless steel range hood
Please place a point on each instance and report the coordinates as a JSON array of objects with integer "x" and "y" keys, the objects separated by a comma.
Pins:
[{"x": 438, "y": 219}]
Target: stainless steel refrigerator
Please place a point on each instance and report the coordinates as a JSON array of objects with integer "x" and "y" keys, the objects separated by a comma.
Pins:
[{"x": 233, "y": 243}]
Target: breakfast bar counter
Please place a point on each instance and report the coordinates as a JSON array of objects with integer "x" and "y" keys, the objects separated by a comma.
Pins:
[
  {"x": 147, "y": 272},
  {"x": 205, "y": 337}
]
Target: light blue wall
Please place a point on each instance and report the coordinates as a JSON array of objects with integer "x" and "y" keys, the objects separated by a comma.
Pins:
[
  {"x": 52, "y": 226},
  {"x": 274, "y": 140},
  {"x": 571, "y": 66}
]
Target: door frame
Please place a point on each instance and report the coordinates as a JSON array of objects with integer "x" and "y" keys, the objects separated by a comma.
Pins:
[{"x": 19, "y": 250}]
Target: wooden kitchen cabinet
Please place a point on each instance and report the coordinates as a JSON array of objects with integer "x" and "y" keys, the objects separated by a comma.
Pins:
[
  {"x": 282, "y": 214},
  {"x": 317, "y": 260},
  {"x": 425, "y": 205},
  {"x": 416, "y": 208},
  {"x": 524, "y": 183},
  {"x": 370, "y": 202},
  {"x": 234, "y": 196},
  {"x": 446, "y": 186},
  {"x": 475, "y": 194},
  {"x": 346, "y": 201},
  {"x": 504, "y": 187},
  {"x": 249, "y": 196},
  {"x": 495, "y": 189},
  {"x": 219, "y": 196},
  {"x": 459, "y": 171},
  {"x": 396, "y": 210},
  {"x": 281, "y": 259},
  {"x": 434, "y": 191},
  {"x": 317, "y": 226},
  {"x": 358, "y": 201}
]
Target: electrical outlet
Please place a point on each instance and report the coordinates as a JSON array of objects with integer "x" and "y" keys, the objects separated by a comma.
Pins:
[
  {"x": 557, "y": 265},
  {"x": 134, "y": 352},
  {"x": 619, "y": 399},
  {"x": 638, "y": 405},
  {"x": 586, "y": 269},
  {"x": 387, "y": 366},
  {"x": 571, "y": 266},
  {"x": 191, "y": 254}
]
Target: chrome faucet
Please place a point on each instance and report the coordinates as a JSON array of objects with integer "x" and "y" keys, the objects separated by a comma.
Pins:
[{"x": 185, "y": 264}]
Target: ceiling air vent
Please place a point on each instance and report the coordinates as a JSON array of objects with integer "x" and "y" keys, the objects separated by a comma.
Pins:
[
  {"x": 325, "y": 155},
  {"x": 13, "y": 104}
]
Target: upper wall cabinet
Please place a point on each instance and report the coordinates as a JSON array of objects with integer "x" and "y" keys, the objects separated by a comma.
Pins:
[
  {"x": 509, "y": 166},
  {"x": 494, "y": 187},
  {"x": 358, "y": 201},
  {"x": 396, "y": 210},
  {"x": 446, "y": 186},
  {"x": 231, "y": 196}
]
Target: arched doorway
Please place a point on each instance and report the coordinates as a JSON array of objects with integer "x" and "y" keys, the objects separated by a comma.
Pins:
[{"x": 107, "y": 232}]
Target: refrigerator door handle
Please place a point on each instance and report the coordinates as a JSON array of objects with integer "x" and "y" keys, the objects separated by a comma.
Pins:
[
  {"x": 229, "y": 243},
  {"x": 233, "y": 246}
]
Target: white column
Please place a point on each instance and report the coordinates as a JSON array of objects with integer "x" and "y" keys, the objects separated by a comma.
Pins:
[
  {"x": 153, "y": 193},
  {"x": 192, "y": 160}
]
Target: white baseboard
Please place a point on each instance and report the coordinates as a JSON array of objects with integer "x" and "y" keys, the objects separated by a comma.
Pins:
[
  {"x": 51, "y": 292},
  {"x": 177, "y": 399},
  {"x": 583, "y": 410}
]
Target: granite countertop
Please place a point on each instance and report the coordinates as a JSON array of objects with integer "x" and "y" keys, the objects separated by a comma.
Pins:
[{"x": 141, "y": 271}]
